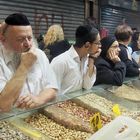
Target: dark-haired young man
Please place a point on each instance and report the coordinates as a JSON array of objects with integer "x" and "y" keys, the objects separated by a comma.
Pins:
[
  {"x": 26, "y": 77},
  {"x": 75, "y": 68}
]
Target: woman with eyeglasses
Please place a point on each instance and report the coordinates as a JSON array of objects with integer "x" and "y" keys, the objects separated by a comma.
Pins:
[{"x": 110, "y": 69}]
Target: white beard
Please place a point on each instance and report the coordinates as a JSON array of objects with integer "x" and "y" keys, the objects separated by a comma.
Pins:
[{"x": 16, "y": 59}]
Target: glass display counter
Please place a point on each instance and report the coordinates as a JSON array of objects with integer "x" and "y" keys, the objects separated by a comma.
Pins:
[
  {"x": 69, "y": 115},
  {"x": 127, "y": 95},
  {"x": 15, "y": 119},
  {"x": 15, "y": 111}
]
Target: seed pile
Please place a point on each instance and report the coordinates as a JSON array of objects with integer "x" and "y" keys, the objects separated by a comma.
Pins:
[
  {"x": 105, "y": 106},
  {"x": 8, "y": 133},
  {"x": 54, "y": 130}
]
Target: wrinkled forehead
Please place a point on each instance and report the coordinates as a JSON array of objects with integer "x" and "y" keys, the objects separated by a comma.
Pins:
[
  {"x": 20, "y": 28},
  {"x": 18, "y": 31}
]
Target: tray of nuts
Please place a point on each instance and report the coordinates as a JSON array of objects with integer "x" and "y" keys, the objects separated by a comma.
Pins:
[
  {"x": 126, "y": 91},
  {"x": 66, "y": 119},
  {"x": 8, "y": 132},
  {"x": 74, "y": 116},
  {"x": 95, "y": 102},
  {"x": 27, "y": 129},
  {"x": 54, "y": 130},
  {"x": 126, "y": 95}
]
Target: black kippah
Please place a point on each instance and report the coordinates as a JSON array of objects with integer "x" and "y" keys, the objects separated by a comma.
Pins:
[{"x": 17, "y": 19}]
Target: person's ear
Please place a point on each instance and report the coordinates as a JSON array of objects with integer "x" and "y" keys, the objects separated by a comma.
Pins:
[{"x": 87, "y": 44}]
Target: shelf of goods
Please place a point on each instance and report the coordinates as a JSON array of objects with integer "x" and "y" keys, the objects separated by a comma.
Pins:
[{"x": 68, "y": 117}]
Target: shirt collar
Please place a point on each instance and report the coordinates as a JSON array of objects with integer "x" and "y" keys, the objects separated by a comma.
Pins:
[
  {"x": 123, "y": 45},
  {"x": 74, "y": 54}
]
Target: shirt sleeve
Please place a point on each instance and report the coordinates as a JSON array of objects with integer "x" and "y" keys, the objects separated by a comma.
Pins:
[
  {"x": 88, "y": 81},
  {"x": 59, "y": 70},
  {"x": 3, "y": 73},
  {"x": 49, "y": 78}
]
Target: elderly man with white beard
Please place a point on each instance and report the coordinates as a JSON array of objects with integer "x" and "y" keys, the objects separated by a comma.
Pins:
[{"x": 26, "y": 78}]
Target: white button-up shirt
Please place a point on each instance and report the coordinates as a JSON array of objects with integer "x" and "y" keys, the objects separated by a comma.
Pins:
[
  {"x": 71, "y": 72},
  {"x": 40, "y": 76}
]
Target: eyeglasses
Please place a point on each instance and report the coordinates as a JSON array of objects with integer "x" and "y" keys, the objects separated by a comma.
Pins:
[{"x": 97, "y": 43}]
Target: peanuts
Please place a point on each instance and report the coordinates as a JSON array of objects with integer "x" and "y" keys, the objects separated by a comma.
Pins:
[{"x": 54, "y": 130}]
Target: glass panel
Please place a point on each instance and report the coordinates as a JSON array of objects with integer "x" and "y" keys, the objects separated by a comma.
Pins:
[{"x": 105, "y": 92}]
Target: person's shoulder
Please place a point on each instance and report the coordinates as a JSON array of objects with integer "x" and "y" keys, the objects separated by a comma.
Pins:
[
  {"x": 39, "y": 51},
  {"x": 122, "y": 47},
  {"x": 62, "y": 58},
  {"x": 66, "y": 42},
  {"x": 100, "y": 60},
  {"x": 62, "y": 43},
  {"x": 40, "y": 54}
]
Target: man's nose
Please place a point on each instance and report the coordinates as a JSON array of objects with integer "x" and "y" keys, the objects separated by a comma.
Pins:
[{"x": 27, "y": 43}]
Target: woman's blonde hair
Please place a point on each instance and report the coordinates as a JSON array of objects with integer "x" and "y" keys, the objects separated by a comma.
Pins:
[{"x": 55, "y": 33}]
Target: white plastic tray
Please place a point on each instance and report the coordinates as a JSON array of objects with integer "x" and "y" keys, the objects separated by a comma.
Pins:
[{"x": 111, "y": 130}]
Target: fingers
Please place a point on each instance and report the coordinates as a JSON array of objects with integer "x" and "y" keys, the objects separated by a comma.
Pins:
[
  {"x": 20, "y": 103},
  {"x": 112, "y": 54},
  {"x": 32, "y": 105},
  {"x": 32, "y": 49},
  {"x": 95, "y": 55},
  {"x": 26, "y": 102}
]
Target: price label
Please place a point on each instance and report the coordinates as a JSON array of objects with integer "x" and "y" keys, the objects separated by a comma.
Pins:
[
  {"x": 96, "y": 122},
  {"x": 116, "y": 110}
]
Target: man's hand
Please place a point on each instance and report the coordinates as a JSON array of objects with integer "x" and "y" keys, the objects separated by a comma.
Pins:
[
  {"x": 95, "y": 55},
  {"x": 28, "y": 58},
  {"x": 28, "y": 101}
]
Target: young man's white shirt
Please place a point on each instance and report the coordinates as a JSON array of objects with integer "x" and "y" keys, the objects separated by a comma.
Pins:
[{"x": 71, "y": 72}]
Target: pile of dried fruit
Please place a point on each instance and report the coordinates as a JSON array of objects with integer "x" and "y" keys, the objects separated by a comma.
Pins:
[{"x": 81, "y": 112}]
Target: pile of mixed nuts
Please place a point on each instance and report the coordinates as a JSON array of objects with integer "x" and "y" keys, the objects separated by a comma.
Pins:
[
  {"x": 7, "y": 132},
  {"x": 53, "y": 130}
]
